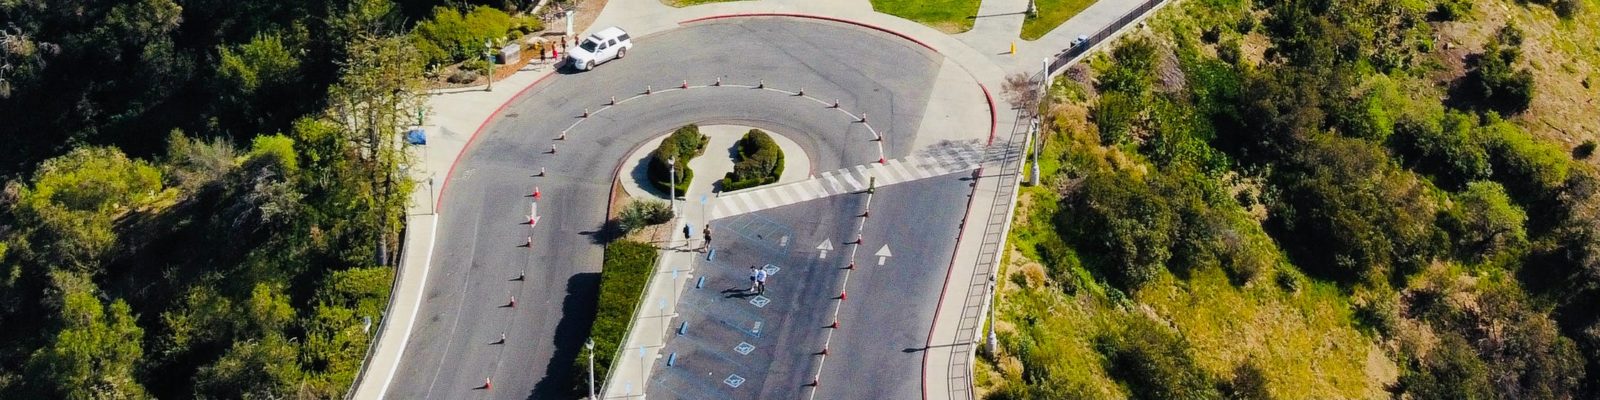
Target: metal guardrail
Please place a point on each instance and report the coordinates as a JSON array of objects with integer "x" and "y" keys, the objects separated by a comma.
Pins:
[
  {"x": 978, "y": 297},
  {"x": 1065, "y": 57}
]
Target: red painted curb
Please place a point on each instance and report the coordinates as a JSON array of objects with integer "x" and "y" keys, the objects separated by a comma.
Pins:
[
  {"x": 944, "y": 290},
  {"x": 474, "y": 139},
  {"x": 994, "y": 119},
  {"x": 811, "y": 16}
]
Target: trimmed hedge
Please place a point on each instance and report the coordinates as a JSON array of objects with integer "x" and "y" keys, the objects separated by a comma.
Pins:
[
  {"x": 452, "y": 35},
  {"x": 758, "y": 161},
  {"x": 622, "y": 279},
  {"x": 686, "y": 143}
]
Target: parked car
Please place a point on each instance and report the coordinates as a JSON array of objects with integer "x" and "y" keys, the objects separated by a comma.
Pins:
[
  {"x": 1081, "y": 40},
  {"x": 605, "y": 45}
]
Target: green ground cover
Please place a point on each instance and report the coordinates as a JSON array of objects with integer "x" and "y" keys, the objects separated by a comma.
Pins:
[
  {"x": 1053, "y": 13},
  {"x": 950, "y": 16}
]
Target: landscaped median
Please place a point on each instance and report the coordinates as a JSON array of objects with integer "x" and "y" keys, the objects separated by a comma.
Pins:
[
  {"x": 682, "y": 145},
  {"x": 622, "y": 280},
  {"x": 757, "y": 161}
]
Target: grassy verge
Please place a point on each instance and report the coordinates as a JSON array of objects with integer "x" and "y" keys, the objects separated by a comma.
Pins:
[
  {"x": 625, "y": 273},
  {"x": 1052, "y": 13},
  {"x": 950, "y": 16}
]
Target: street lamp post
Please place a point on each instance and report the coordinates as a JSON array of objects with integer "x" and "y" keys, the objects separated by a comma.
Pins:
[
  {"x": 431, "y": 205},
  {"x": 590, "y": 345},
  {"x": 672, "y": 185},
  {"x": 1038, "y": 142},
  {"x": 488, "y": 56}
]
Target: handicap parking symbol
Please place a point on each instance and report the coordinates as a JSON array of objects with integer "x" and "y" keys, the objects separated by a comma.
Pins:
[
  {"x": 744, "y": 348},
  {"x": 760, "y": 301},
  {"x": 734, "y": 380}
]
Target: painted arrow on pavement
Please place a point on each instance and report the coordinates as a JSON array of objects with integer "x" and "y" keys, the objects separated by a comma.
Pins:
[
  {"x": 824, "y": 247},
  {"x": 883, "y": 254}
]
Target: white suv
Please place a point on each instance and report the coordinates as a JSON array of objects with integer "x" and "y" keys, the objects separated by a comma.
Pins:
[{"x": 602, "y": 46}]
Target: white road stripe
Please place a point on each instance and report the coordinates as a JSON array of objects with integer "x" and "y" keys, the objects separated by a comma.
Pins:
[
  {"x": 897, "y": 168},
  {"x": 850, "y": 179},
  {"x": 813, "y": 189},
  {"x": 833, "y": 184},
  {"x": 783, "y": 197}
]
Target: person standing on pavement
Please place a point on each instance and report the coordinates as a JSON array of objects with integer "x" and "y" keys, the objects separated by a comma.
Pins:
[
  {"x": 761, "y": 281},
  {"x": 688, "y": 237},
  {"x": 754, "y": 284},
  {"x": 707, "y": 233}
]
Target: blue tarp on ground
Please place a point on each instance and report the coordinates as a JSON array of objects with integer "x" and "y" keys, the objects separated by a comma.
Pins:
[{"x": 416, "y": 136}]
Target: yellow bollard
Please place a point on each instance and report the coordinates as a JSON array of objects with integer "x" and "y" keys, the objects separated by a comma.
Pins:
[{"x": 1013, "y": 47}]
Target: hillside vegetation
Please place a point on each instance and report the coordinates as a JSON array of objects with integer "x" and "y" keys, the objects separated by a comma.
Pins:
[
  {"x": 1314, "y": 199},
  {"x": 205, "y": 199}
]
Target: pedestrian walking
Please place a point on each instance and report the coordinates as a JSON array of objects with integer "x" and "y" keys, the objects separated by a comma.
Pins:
[
  {"x": 707, "y": 233},
  {"x": 688, "y": 237},
  {"x": 761, "y": 281},
  {"x": 539, "y": 48},
  {"x": 754, "y": 284}
]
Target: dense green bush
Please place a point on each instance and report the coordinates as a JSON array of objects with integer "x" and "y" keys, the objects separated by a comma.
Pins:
[
  {"x": 1346, "y": 212},
  {"x": 682, "y": 145},
  {"x": 641, "y": 213},
  {"x": 1124, "y": 223},
  {"x": 451, "y": 35},
  {"x": 1155, "y": 363},
  {"x": 757, "y": 161},
  {"x": 622, "y": 280},
  {"x": 1447, "y": 148},
  {"x": 1485, "y": 222},
  {"x": 1495, "y": 80}
]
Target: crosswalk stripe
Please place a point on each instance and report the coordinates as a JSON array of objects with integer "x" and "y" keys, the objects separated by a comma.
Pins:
[
  {"x": 728, "y": 204},
  {"x": 800, "y": 195},
  {"x": 833, "y": 184},
  {"x": 813, "y": 189},
  {"x": 851, "y": 179},
  {"x": 898, "y": 169},
  {"x": 924, "y": 168},
  {"x": 748, "y": 201},
  {"x": 783, "y": 197}
]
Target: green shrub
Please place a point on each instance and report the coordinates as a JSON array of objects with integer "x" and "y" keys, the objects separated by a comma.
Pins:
[
  {"x": 1485, "y": 222},
  {"x": 1155, "y": 363},
  {"x": 1446, "y": 148},
  {"x": 1495, "y": 81},
  {"x": 452, "y": 36},
  {"x": 641, "y": 213},
  {"x": 684, "y": 144},
  {"x": 757, "y": 161},
  {"x": 1452, "y": 10},
  {"x": 622, "y": 279},
  {"x": 1528, "y": 167}
]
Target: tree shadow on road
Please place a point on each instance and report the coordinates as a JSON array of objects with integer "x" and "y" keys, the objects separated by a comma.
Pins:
[{"x": 561, "y": 380}]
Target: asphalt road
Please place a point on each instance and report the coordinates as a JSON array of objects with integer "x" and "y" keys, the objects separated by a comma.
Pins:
[
  {"x": 479, "y": 250},
  {"x": 740, "y": 345}
]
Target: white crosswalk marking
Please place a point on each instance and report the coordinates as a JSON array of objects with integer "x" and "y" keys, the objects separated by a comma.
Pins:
[
  {"x": 850, "y": 178},
  {"x": 930, "y": 162},
  {"x": 833, "y": 184},
  {"x": 898, "y": 170},
  {"x": 783, "y": 197}
]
